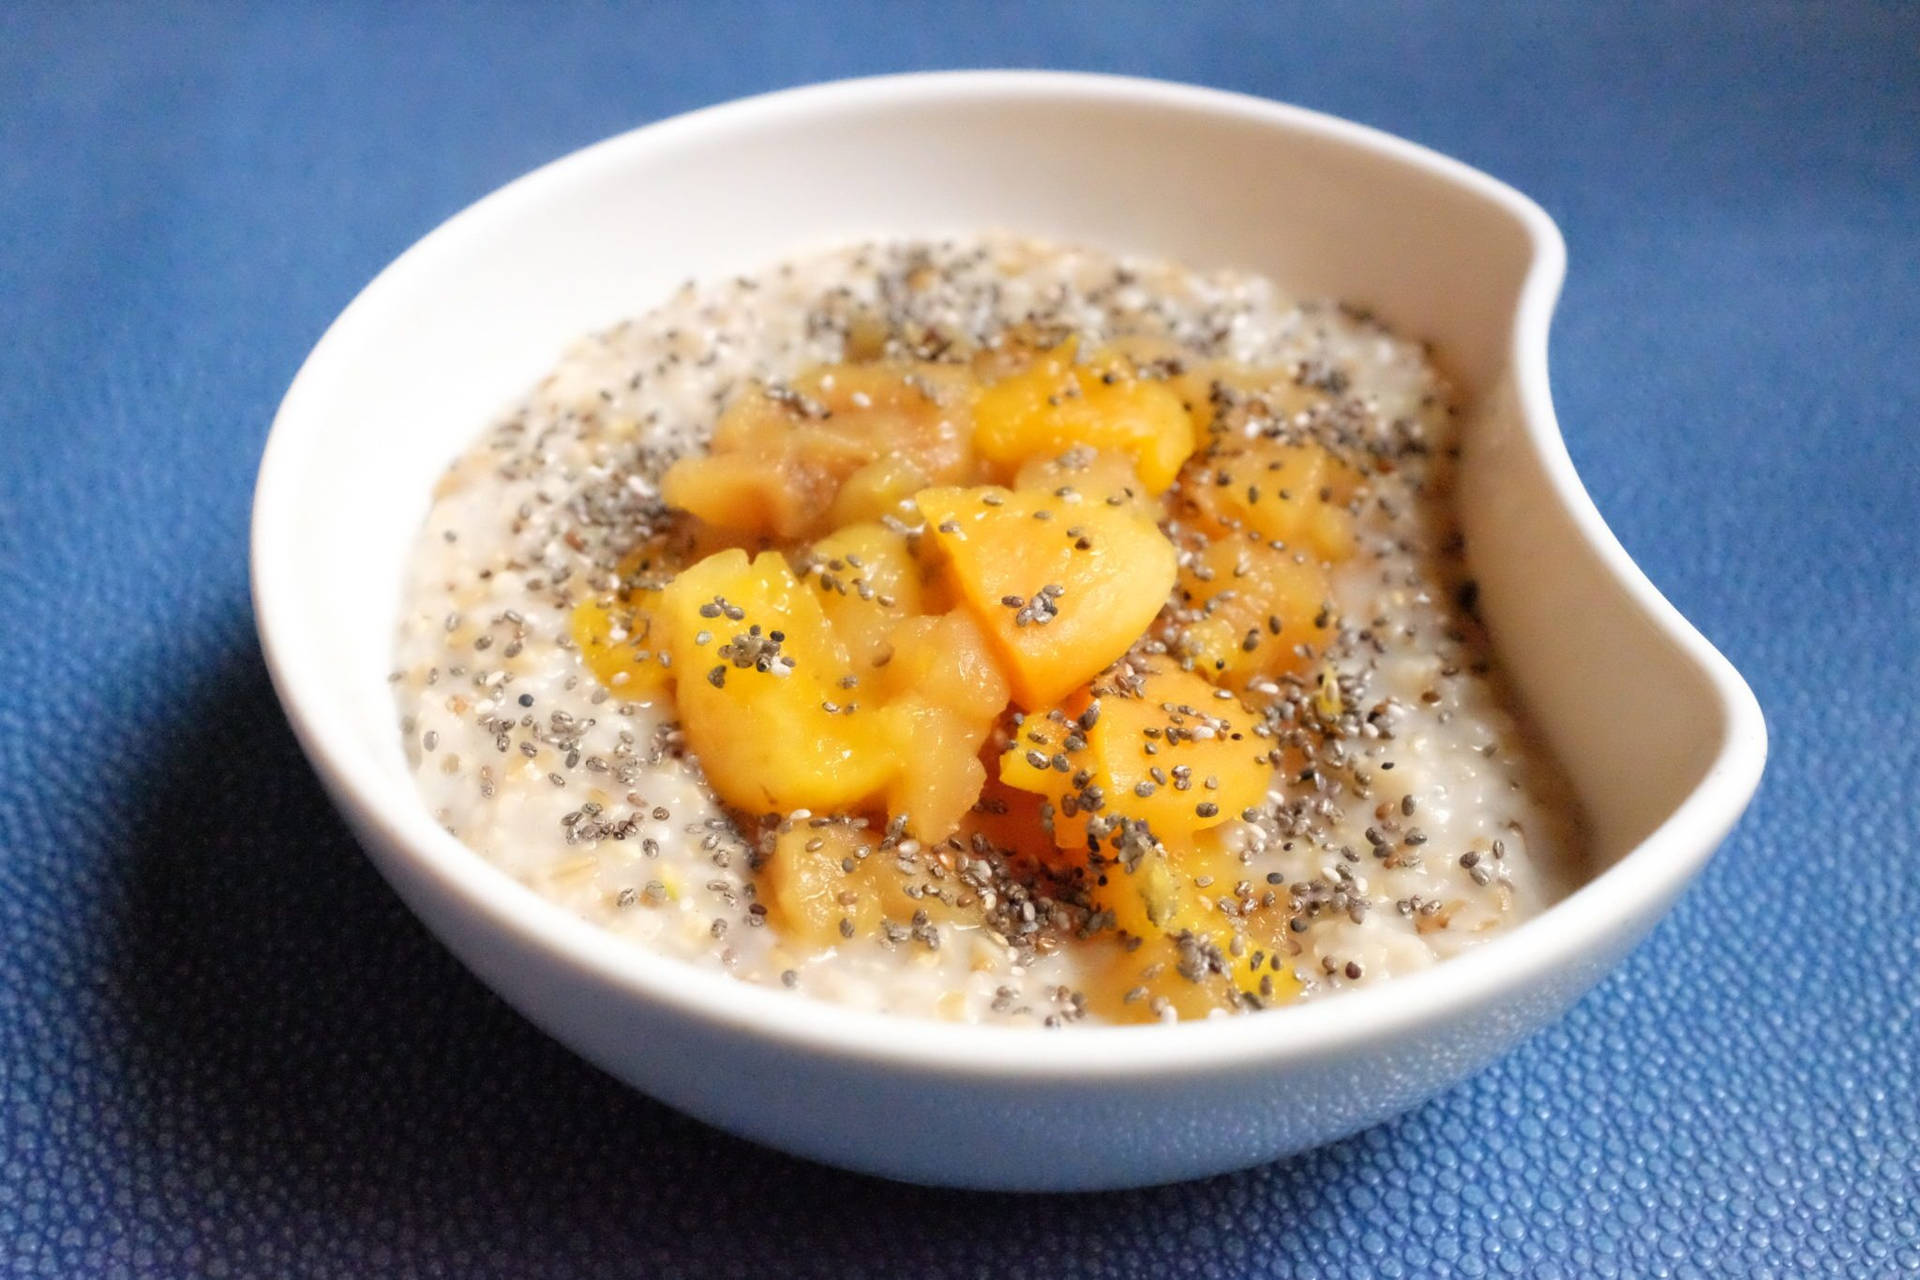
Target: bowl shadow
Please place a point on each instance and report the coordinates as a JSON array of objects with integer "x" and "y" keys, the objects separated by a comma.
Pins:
[{"x": 317, "y": 1067}]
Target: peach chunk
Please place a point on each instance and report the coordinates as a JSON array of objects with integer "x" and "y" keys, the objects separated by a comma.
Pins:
[
  {"x": 1050, "y": 757},
  {"x": 618, "y": 633},
  {"x": 867, "y": 580},
  {"x": 760, "y": 689},
  {"x": 1277, "y": 393},
  {"x": 1176, "y": 755},
  {"x": 1159, "y": 894},
  {"x": 823, "y": 872},
  {"x": 759, "y": 497},
  {"x": 1166, "y": 750},
  {"x": 949, "y": 661},
  {"x": 1245, "y": 611},
  {"x": 1010, "y": 820},
  {"x": 883, "y": 487},
  {"x": 944, "y": 693},
  {"x": 1090, "y": 474},
  {"x": 1104, "y": 404},
  {"x": 624, "y": 647},
  {"x": 1194, "y": 954},
  {"x": 1062, "y": 587},
  {"x": 939, "y": 774},
  {"x": 780, "y": 454},
  {"x": 1294, "y": 494}
]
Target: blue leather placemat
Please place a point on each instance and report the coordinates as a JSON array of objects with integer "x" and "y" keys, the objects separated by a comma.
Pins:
[{"x": 226, "y": 1050}]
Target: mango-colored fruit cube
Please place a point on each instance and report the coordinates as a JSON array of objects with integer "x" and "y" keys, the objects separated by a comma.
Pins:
[
  {"x": 1195, "y": 953},
  {"x": 1277, "y": 393},
  {"x": 1165, "y": 750},
  {"x": 939, "y": 774},
  {"x": 1247, "y": 611},
  {"x": 1090, "y": 474},
  {"x": 948, "y": 660},
  {"x": 780, "y": 455},
  {"x": 622, "y": 644},
  {"x": 1050, "y": 757},
  {"x": 755, "y": 497},
  {"x": 1294, "y": 494},
  {"x": 867, "y": 580},
  {"x": 944, "y": 691},
  {"x": 1061, "y": 586},
  {"x": 819, "y": 875},
  {"x": 1011, "y": 821},
  {"x": 759, "y": 687},
  {"x": 1176, "y": 755},
  {"x": 881, "y": 488},
  {"x": 1104, "y": 404}
]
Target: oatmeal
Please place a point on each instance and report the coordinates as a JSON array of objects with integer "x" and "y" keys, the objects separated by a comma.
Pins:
[{"x": 990, "y": 631}]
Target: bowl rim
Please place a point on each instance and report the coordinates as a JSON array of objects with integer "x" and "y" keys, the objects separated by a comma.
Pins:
[{"x": 1616, "y": 900}]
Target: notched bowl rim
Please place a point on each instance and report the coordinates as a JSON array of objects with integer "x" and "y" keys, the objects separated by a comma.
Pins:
[{"x": 1609, "y": 905}]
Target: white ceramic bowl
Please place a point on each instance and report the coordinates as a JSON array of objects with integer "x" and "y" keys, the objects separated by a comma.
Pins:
[{"x": 1662, "y": 739}]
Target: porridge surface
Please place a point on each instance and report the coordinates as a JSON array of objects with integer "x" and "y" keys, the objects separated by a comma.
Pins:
[{"x": 1427, "y": 823}]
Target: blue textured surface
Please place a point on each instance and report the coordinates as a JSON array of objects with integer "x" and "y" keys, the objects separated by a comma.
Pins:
[{"x": 226, "y": 1049}]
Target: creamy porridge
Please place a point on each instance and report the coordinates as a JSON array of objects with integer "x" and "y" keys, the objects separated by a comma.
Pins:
[{"x": 991, "y": 631}]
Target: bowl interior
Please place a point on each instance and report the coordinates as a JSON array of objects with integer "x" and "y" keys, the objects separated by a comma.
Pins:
[{"x": 466, "y": 321}]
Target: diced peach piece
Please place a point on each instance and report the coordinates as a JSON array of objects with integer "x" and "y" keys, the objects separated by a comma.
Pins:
[
  {"x": 918, "y": 414},
  {"x": 1132, "y": 981},
  {"x": 817, "y": 876},
  {"x": 1294, "y": 494},
  {"x": 622, "y": 645},
  {"x": 1055, "y": 405},
  {"x": 1177, "y": 755},
  {"x": 800, "y": 886},
  {"x": 1170, "y": 753},
  {"x": 911, "y": 403},
  {"x": 867, "y": 580},
  {"x": 1193, "y": 954},
  {"x": 1246, "y": 610},
  {"x": 758, "y": 687},
  {"x": 1090, "y": 474},
  {"x": 752, "y": 496},
  {"x": 1011, "y": 821},
  {"x": 779, "y": 456},
  {"x": 939, "y": 771},
  {"x": 1160, "y": 894},
  {"x": 618, "y": 633},
  {"x": 883, "y": 487},
  {"x": 944, "y": 691},
  {"x": 1279, "y": 392},
  {"x": 1061, "y": 587},
  {"x": 1049, "y": 756},
  {"x": 949, "y": 661}
]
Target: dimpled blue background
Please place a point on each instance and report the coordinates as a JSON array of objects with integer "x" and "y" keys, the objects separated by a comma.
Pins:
[{"x": 225, "y": 1049}]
